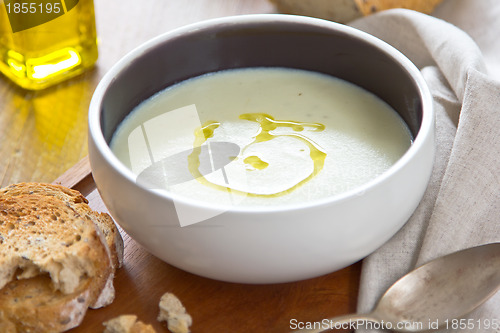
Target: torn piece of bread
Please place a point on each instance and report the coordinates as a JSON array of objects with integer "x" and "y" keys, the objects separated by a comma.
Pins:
[
  {"x": 127, "y": 324},
  {"x": 31, "y": 305},
  {"x": 62, "y": 253},
  {"x": 43, "y": 235},
  {"x": 174, "y": 313},
  {"x": 344, "y": 11},
  {"x": 76, "y": 201},
  {"x": 79, "y": 203}
]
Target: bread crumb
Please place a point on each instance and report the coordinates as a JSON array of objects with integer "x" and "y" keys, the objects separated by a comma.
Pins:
[
  {"x": 173, "y": 312},
  {"x": 127, "y": 324}
]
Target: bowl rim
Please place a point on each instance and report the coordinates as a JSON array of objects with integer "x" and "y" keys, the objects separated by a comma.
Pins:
[{"x": 426, "y": 125}]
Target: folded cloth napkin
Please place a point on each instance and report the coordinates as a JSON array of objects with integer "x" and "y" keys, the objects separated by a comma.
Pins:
[{"x": 461, "y": 207}]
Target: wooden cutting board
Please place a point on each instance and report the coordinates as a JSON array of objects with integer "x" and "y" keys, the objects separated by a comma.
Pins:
[{"x": 216, "y": 307}]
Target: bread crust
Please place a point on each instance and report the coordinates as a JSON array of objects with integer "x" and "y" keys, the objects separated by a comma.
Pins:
[
  {"x": 344, "y": 11},
  {"x": 368, "y": 7}
]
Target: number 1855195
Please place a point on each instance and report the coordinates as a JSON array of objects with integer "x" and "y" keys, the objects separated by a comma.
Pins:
[
  {"x": 472, "y": 324},
  {"x": 33, "y": 8}
]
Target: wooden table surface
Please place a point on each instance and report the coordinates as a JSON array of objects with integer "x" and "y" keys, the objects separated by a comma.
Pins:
[{"x": 44, "y": 133}]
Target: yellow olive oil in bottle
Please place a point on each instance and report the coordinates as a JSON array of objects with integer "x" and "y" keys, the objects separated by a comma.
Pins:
[{"x": 43, "y": 42}]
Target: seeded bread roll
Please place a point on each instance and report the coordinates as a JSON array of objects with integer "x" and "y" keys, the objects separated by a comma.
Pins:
[
  {"x": 76, "y": 201},
  {"x": 344, "y": 11},
  {"x": 79, "y": 203},
  {"x": 44, "y": 235},
  {"x": 57, "y": 258}
]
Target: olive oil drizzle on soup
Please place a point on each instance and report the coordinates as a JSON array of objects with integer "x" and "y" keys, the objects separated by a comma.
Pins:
[{"x": 261, "y": 136}]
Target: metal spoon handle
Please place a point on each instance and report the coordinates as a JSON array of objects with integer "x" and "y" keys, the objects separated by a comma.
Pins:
[{"x": 349, "y": 321}]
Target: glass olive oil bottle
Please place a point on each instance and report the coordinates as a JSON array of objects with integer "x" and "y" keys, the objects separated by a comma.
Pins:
[{"x": 43, "y": 42}]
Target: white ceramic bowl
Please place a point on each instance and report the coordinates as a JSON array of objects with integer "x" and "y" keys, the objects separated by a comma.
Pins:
[{"x": 266, "y": 245}]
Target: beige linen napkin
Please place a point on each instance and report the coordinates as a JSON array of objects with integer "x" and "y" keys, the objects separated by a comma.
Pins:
[{"x": 461, "y": 207}]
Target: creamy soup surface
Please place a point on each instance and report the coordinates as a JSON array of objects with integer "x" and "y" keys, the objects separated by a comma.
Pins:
[{"x": 259, "y": 137}]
